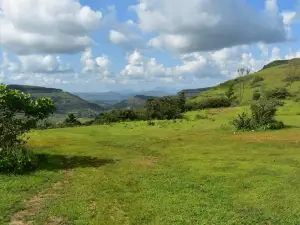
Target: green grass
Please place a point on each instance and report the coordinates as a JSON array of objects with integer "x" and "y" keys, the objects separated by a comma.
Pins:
[
  {"x": 274, "y": 77},
  {"x": 188, "y": 172}
]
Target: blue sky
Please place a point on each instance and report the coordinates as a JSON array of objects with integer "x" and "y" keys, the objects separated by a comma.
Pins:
[{"x": 107, "y": 45}]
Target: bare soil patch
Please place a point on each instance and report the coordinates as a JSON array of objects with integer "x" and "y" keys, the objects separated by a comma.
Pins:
[{"x": 33, "y": 205}]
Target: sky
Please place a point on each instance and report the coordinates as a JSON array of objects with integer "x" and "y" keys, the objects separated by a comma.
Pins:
[{"x": 113, "y": 45}]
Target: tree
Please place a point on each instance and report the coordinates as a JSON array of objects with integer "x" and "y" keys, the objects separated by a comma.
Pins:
[
  {"x": 18, "y": 115},
  {"x": 241, "y": 73},
  {"x": 72, "y": 120},
  {"x": 182, "y": 101},
  {"x": 230, "y": 94}
]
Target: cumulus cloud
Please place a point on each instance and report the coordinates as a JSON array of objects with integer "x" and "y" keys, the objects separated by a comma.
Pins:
[
  {"x": 201, "y": 25},
  {"x": 43, "y": 64},
  {"x": 98, "y": 68},
  {"x": 140, "y": 67},
  {"x": 34, "y": 64},
  {"x": 8, "y": 65},
  {"x": 117, "y": 37},
  {"x": 43, "y": 26},
  {"x": 125, "y": 34}
]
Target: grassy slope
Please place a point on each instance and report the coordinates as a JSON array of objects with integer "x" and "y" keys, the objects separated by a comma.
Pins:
[
  {"x": 191, "y": 172},
  {"x": 274, "y": 75}
]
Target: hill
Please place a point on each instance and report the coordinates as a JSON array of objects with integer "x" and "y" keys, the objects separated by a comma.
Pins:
[
  {"x": 273, "y": 75},
  {"x": 137, "y": 101},
  {"x": 105, "y": 97},
  {"x": 190, "y": 93},
  {"x": 65, "y": 102}
]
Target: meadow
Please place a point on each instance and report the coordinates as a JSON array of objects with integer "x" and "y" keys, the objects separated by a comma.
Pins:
[{"x": 192, "y": 171}]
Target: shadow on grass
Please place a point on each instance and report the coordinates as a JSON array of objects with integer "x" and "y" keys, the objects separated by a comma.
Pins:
[{"x": 62, "y": 162}]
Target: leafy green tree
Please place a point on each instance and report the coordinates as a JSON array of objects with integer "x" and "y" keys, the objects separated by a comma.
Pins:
[
  {"x": 19, "y": 113},
  {"x": 230, "y": 94},
  {"x": 181, "y": 101},
  {"x": 165, "y": 108},
  {"x": 72, "y": 120}
]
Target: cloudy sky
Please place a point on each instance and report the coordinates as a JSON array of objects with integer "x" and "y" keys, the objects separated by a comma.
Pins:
[{"x": 90, "y": 45}]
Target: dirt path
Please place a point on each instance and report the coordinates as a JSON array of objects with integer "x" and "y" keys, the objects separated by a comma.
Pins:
[{"x": 33, "y": 205}]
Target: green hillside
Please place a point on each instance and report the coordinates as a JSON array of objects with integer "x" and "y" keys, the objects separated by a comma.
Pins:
[
  {"x": 270, "y": 77},
  {"x": 65, "y": 102},
  {"x": 137, "y": 101}
]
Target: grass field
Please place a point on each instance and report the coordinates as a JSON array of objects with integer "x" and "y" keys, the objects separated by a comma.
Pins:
[{"x": 188, "y": 172}]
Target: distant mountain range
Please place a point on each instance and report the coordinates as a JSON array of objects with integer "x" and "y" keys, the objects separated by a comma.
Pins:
[{"x": 112, "y": 97}]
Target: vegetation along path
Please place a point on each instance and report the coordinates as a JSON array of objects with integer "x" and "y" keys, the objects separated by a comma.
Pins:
[{"x": 183, "y": 172}]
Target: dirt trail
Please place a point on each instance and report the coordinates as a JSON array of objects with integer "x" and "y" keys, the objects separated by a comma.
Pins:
[{"x": 34, "y": 204}]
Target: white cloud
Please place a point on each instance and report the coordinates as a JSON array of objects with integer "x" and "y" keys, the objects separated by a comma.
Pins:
[
  {"x": 43, "y": 26},
  {"x": 125, "y": 34},
  {"x": 140, "y": 67},
  {"x": 201, "y": 25},
  {"x": 98, "y": 68},
  {"x": 9, "y": 65},
  {"x": 264, "y": 49},
  {"x": 117, "y": 37},
  {"x": 34, "y": 64},
  {"x": 43, "y": 64}
]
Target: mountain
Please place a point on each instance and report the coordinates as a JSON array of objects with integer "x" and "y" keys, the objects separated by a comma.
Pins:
[
  {"x": 99, "y": 96},
  {"x": 112, "y": 97},
  {"x": 137, "y": 101},
  {"x": 65, "y": 102},
  {"x": 272, "y": 75},
  {"x": 191, "y": 93}
]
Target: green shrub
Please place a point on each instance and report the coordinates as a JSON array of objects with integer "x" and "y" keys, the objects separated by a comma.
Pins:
[
  {"x": 278, "y": 93},
  {"x": 215, "y": 102},
  {"x": 151, "y": 123},
  {"x": 120, "y": 115},
  {"x": 165, "y": 108},
  {"x": 71, "y": 120},
  {"x": 275, "y": 125},
  {"x": 201, "y": 117},
  {"x": 207, "y": 103},
  {"x": 17, "y": 159},
  {"x": 256, "y": 80},
  {"x": 263, "y": 114},
  {"x": 256, "y": 95},
  {"x": 243, "y": 122}
]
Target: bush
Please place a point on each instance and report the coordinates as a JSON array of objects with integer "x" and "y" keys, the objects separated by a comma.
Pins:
[
  {"x": 256, "y": 80},
  {"x": 263, "y": 114},
  {"x": 165, "y": 108},
  {"x": 120, "y": 115},
  {"x": 71, "y": 120},
  {"x": 243, "y": 122},
  {"x": 17, "y": 160},
  {"x": 278, "y": 93},
  {"x": 208, "y": 103},
  {"x": 256, "y": 95}
]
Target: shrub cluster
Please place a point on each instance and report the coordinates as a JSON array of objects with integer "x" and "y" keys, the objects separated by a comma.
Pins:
[
  {"x": 262, "y": 117},
  {"x": 212, "y": 102},
  {"x": 256, "y": 80},
  {"x": 278, "y": 93}
]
